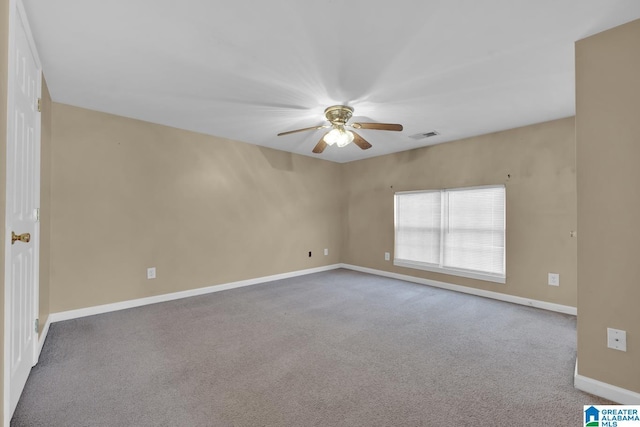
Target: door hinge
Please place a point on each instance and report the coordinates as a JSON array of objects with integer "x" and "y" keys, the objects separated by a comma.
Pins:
[
  {"x": 36, "y": 214},
  {"x": 39, "y": 105},
  {"x": 37, "y": 325}
]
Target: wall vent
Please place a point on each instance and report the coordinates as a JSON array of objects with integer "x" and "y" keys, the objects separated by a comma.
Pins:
[{"x": 423, "y": 135}]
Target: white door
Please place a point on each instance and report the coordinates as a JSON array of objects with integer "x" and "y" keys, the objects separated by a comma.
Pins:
[{"x": 23, "y": 177}]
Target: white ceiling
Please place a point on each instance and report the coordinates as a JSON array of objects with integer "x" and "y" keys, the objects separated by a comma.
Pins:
[{"x": 247, "y": 70}]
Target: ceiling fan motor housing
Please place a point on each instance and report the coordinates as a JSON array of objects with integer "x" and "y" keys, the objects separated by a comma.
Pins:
[{"x": 338, "y": 115}]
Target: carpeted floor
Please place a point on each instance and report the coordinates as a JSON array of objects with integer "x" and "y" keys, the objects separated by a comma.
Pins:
[{"x": 339, "y": 348}]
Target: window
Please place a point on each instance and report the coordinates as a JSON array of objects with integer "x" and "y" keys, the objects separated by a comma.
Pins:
[{"x": 457, "y": 231}]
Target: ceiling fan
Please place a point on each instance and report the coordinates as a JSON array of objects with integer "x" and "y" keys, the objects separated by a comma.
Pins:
[{"x": 338, "y": 116}]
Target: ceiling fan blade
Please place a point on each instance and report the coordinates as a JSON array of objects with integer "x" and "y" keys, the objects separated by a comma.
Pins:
[
  {"x": 360, "y": 141},
  {"x": 302, "y": 130},
  {"x": 377, "y": 126},
  {"x": 320, "y": 146}
]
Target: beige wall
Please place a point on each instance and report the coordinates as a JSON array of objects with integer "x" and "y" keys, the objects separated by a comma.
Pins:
[
  {"x": 45, "y": 205},
  {"x": 127, "y": 195},
  {"x": 608, "y": 151},
  {"x": 541, "y": 203},
  {"x": 142, "y": 195},
  {"x": 4, "y": 46}
]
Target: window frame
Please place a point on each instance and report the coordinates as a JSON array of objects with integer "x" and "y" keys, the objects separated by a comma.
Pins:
[{"x": 472, "y": 274}]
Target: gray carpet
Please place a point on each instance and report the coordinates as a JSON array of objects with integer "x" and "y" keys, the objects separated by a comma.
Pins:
[{"x": 339, "y": 348}]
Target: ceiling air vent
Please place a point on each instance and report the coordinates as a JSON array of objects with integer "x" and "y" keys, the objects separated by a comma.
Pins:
[{"x": 424, "y": 135}]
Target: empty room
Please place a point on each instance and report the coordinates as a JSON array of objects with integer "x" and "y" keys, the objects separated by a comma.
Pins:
[{"x": 410, "y": 213}]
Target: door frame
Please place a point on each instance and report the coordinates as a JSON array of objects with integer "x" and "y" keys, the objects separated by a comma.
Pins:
[{"x": 17, "y": 14}]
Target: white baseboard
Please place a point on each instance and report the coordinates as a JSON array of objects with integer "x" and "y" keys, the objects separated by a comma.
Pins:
[
  {"x": 467, "y": 290},
  {"x": 106, "y": 308},
  {"x": 608, "y": 391}
]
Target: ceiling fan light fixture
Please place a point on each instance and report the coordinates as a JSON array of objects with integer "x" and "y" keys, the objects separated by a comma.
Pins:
[
  {"x": 339, "y": 136},
  {"x": 338, "y": 116}
]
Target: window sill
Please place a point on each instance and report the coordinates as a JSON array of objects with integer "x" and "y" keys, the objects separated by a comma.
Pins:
[{"x": 450, "y": 271}]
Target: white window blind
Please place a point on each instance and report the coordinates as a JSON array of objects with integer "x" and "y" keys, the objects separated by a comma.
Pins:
[
  {"x": 420, "y": 227},
  {"x": 455, "y": 231}
]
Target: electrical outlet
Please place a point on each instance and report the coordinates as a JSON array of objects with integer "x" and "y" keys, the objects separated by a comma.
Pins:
[
  {"x": 326, "y": 251},
  {"x": 554, "y": 279},
  {"x": 387, "y": 256},
  {"x": 617, "y": 339},
  {"x": 151, "y": 273}
]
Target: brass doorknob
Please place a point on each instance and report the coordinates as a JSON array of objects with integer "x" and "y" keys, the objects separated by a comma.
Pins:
[{"x": 24, "y": 237}]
